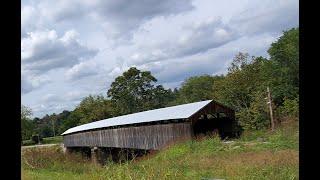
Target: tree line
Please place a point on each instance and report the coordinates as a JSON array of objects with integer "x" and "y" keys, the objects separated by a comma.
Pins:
[{"x": 242, "y": 88}]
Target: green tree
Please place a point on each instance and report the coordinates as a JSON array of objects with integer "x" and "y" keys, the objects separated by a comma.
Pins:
[
  {"x": 290, "y": 108},
  {"x": 93, "y": 108},
  {"x": 238, "y": 88},
  {"x": 255, "y": 116},
  {"x": 244, "y": 89},
  {"x": 283, "y": 69},
  {"x": 197, "y": 88},
  {"x": 72, "y": 120},
  {"x": 240, "y": 61},
  {"x": 135, "y": 91},
  {"x": 26, "y": 123}
]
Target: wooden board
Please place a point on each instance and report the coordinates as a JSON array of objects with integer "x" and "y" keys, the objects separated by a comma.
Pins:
[{"x": 141, "y": 137}]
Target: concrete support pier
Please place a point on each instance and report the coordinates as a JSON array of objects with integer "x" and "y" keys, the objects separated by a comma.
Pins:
[
  {"x": 99, "y": 155},
  {"x": 67, "y": 150}
]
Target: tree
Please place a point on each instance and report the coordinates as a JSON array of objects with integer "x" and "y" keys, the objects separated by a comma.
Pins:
[
  {"x": 240, "y": 85},
  {"x": 283, "y": 69},
  {"x": 93, "y": 108},
  {"x": 159, "y": 97},
  {"x": 197, "y": 88},
  {"x": 240, "y": 61},
  {"x": 134, "y": 91},
  {"x": 26, "y": 123},
  {"x": 243, "y": 88},
  {"x": 72, "y": 120}
]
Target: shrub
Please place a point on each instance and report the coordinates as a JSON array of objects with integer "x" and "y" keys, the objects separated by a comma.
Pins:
[
  {"x": 255, "y": 116},
  {"x": 290, "y": 108},
  {"x": 36, "y": 139}
]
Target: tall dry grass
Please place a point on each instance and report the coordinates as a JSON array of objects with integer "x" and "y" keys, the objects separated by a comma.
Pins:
[{"x": 259, "y": 155}]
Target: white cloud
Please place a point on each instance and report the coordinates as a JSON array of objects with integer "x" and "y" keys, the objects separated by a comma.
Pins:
[
  {"x": 186, "y": 39},
  {"x": 74, "y": 95},
  {"x": 27, "y": 15},
  {"x": 81, "y": 70},
  {"x": 30, "y": 81},
  {"x": 50, "y": 98}
]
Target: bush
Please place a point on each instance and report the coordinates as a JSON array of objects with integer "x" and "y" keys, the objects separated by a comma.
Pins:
[
  {"x": 36, "y": 139},
  {"x": 290, "y": 108},
  {"x": 255, "y": 116}
]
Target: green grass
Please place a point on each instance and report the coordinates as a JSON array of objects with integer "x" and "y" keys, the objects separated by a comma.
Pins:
[
  {"x": 27, "y": 143},
  {"x": 48, "y": 140},
  {"x": 52, "y": 140},
  {"x": 256, "y": 155}
]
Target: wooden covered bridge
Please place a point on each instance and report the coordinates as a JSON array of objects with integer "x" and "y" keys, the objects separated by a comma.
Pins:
[{"x": 153, "y": 129}]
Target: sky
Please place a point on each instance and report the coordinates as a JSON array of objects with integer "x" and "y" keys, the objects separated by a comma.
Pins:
[{"x": 73, "y": 48}]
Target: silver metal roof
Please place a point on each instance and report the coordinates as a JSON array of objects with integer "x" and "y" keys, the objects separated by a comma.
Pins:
[{"x": 173, "y": 112}]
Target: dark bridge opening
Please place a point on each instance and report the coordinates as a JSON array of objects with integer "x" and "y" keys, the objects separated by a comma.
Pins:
[{"x": 217, "y": 124}]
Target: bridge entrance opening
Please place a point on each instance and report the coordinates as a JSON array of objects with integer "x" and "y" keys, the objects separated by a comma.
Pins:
[{"x": 214, "y": 124}]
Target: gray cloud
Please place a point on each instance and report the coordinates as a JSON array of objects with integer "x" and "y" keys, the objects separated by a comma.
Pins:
[
  {"x": 267, "y": 17},
  {"x": 119, "y": 17},
  {"x": 194, "y": 38},
  {"x": 43, "y": 51},
  {"x": 30, "y": 81},
  {"x": 125, "y": 15}
]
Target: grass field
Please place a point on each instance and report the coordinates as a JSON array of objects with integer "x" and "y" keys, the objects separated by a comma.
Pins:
[
  {"x": 48, "y": 140},
  {"x": 256, "y": 155}
]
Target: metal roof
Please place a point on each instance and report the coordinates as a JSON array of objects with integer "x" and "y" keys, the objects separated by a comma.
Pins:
[{"x": 173, "y": 112}]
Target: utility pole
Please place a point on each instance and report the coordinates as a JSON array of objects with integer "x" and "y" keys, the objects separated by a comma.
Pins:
[{"x": 270, "y": 108}]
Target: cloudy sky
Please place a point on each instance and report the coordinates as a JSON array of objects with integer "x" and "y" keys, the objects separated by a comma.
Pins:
[{"x": 73, "y": 48}]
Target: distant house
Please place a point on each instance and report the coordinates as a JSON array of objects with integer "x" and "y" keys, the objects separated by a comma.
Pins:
[{"x": 154, "y": 129}]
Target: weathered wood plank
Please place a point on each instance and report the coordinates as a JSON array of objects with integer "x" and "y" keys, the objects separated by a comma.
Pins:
[{"x": 140, "y": 137}]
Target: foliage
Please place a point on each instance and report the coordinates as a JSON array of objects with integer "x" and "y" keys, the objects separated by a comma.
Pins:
[
  {"x": 134, "y": 91},
  {"x": 70, "y": 121},
  {"x": 26, "y": 123},
  {"x": 36, "y": 139},
  {"x": 240, "y": 85},
  {"x": 197, "y": 88},
  {"x": 255, "y": 117},
  {"x": 93, "y": 108},
  {"x": 290, "y": 108},
  {"x": 284, "y": 71},
  {"x": 244, "y": 87},
  {"x": 285, "y": 52}
]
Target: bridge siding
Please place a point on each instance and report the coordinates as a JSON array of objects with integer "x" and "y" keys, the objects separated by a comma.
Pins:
[
  {"x": 141, "y": 137},
  {"x": 144, "y": 136}
]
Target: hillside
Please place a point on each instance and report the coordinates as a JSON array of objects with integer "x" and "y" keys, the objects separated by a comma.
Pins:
[{"x": 256, "y": 155}]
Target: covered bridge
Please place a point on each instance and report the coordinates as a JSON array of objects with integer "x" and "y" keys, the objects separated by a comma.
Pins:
[{"x": 153, "y": 129}]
